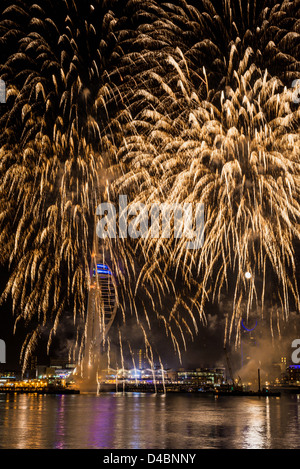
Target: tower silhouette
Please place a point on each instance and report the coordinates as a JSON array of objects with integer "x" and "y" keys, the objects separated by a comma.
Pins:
[{"x": 101, "y": 310}]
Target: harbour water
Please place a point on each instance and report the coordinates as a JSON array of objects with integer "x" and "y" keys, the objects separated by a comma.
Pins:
[{"x": 148, "y": 421}]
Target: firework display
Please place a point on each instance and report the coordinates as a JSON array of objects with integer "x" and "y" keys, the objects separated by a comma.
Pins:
[
  {"x": 173, "y": 103},
  {"x": 221, "y": 128}
]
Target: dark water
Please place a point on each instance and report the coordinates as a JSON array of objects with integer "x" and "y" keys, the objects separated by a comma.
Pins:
[{"x": 143, "y": 421}]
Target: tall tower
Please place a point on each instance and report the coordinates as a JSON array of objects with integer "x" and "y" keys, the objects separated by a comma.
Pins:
[
  {"x": 101, "y": 312},
  {"x": 140, "y": 359},
  {"x": 247, "y": 342}
]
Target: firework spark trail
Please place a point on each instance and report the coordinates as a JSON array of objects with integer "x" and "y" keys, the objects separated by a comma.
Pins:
[
  {"x": 166, "y": 102},
  {"x": 52, "y": 152},
  {"x": 252, "y": 214},
  {"x": 217, "y": 125},
  {"x": 59, "y": 133}
]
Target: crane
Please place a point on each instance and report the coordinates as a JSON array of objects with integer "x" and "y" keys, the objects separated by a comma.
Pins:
[
  {"x": 229, "y": 367},
  {"x": 230, "y": 371}
]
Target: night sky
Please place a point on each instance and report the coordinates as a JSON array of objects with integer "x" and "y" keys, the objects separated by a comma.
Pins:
[{"x": 206, "y": 350}]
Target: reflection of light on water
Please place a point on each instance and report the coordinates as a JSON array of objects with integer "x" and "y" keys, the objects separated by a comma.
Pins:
[
  {"x": 268, "y": 423},
  {"x": 143, "y": 421},
  {"x": 256, "y": 429},
  {"x": 145, "y": 416},
  {"x": 136, "y": 416},
  {"x": 60, "y": 423},
  {"x": 24, "y": 424}
]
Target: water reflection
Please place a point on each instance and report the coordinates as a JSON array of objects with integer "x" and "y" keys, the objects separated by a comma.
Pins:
[
  {"x": 254, "y": 433},
  {"x": 141, "y": 421}
]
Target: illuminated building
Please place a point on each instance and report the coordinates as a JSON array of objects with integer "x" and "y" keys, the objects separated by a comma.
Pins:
[
  {"x": 141, "y": 358},
  {"x": 6, "y": 376},
  {"x": 248, "y": 342},
  {"x": 60, "y": 369},
  {"x": 293, "y": 374},
  {"x": 201, "y": 376},
  {"x": 31, "y": 368},
  {"x": 283, "y": 364}
]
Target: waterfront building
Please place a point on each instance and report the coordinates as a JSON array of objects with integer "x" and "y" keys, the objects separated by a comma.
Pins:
[
  {"x": 60, "y": 369},
  {"x": 293, "y": 374},
  {"x": 6, "y": 376},
  {"x": 201, "y": 376},
  {"x": 198, "y": 377}
]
